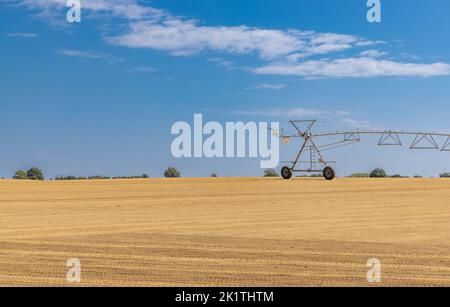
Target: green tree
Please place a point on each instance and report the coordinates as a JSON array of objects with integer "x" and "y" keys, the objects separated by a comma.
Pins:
[
  {"x": 214, "y": 175},
  {"x": 445, "y": 175},
  {"x": 172, "y": 173},
  {"x": 270, "y": 173},
  {"x": 378, "y": 173},
  {"x": 35, "y": 174},
  {"x": 145, "y": 176},
  {"x": 20, "y": 175}
]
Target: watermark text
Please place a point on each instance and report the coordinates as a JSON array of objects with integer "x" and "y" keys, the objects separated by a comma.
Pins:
[{"x": 234, "y": 140}]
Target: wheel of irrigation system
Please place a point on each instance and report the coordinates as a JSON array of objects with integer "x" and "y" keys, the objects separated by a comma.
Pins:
[
  {"x": 328, "y": 173},
  {"x": 286, "y": 173}
]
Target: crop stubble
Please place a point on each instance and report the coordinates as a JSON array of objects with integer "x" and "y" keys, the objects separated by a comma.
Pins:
[{"x": 225, "y": 232}]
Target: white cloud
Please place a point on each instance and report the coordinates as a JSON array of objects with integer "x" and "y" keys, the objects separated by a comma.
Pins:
[
  {"x": 294, "y": 113},
  {"x": 322, "y": 43},
  {"x": 23, "y": 35},
  {"x": 129, "y": 9},
  {"x": 367, "y": 43},
  {"x": 285, "y": 50},
  {"x": 373, "y": 54},
  {"x": 156, "y": 29},
  {"x": 186, "y": 37},
  {"x": 221, "y": 62},
  {"x": 355, "y": 67},
  {"x": 269, "y": 87},
  {"x": 90, "y": 55},
  {"x": 180, "y": 37},
  {"x": 80, "y": 54}
]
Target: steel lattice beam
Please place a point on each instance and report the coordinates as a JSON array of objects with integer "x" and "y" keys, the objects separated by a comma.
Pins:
[
  {"x": 446, "y": 146},
  {"x": 428, "y": 138},
  {"x": 390, "y": 136}
]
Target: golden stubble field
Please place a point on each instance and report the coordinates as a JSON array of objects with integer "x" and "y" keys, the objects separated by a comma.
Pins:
[{"x": 225, "y": 232}]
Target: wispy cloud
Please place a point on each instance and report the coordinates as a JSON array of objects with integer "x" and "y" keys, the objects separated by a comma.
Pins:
[
  {"x": 80, "y": 54},
  {"x": 186, "y": 37},
  {"x": 89, "y": 55},
  {"x": 373, "y": 54},
  {"x": 355, "y": 68},
  {"x": 159, "y": 30},
  {"x": 274, "y": 87},
  {"x": 367, "y": 43},
  {"x": 294, "y": 113},
  {"x": 23, "y": 35},
  {"x": 146, "y": 69},
  {"x": 127, "y": 9},
  {"x": 221, "y": 62},
  {"x": 286, "y": 52}
]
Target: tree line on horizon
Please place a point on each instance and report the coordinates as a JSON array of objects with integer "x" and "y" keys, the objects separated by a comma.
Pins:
[
  {"x": 381, "y": 173},
  {"x": 35, "y": 173},
  {"x": 376, "y": 173}
]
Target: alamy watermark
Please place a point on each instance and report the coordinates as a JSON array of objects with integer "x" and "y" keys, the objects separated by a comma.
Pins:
[
  {"x": 234, "y": 140},
  {"x": 374, "y": 274},
  {"x": 74, "y": 272},
  {"x": 374, "y": 13},
  {"x": 74, "y": 13}
]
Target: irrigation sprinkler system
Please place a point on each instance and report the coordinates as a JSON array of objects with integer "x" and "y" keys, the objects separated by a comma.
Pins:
[{"x": 314, "y": 151}]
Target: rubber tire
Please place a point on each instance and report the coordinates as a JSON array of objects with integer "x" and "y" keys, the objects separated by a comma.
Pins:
[
  {"x": 286, "y": 173},
  {"x": 329, "y": 173}
]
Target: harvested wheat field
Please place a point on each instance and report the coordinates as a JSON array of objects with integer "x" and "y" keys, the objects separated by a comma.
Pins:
[{"x": 225, "y": 232}]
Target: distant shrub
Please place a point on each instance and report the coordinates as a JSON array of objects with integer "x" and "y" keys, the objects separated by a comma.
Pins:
[
  {"x": 445, "y": 175},
  {"x": 360, "y": 175},
  {"x": 378, "y": 173},
  {"x": 145, "y": 176},
  {"x": 67, "y": 178},
  {"x": 270, "y": 173},
  {"x": 214, "y": 175},
  {"x": 20, "y": 175},
  {"x": 35, "y": 174},
  {"x": 418, "y": 176},
  {"x": 172, "y": 173},
  {"x": 32, "y": 174},
  {"x": 130, "y": 177},
  {"x": 97, "y": 177}
]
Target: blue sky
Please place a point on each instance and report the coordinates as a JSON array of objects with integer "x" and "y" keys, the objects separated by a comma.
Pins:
[{"x": 100, "y": 97}]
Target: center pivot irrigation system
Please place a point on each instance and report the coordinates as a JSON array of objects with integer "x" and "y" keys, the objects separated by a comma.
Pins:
[{"x": 422, "y": 140}]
